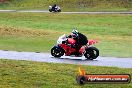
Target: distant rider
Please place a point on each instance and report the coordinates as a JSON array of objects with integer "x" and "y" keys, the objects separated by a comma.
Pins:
[{"x": 54, "y": 7}]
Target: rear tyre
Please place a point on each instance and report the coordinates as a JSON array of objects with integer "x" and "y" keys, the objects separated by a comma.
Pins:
[
  {"x": 59, "y": 10},
  {"x": 57, "y": 51},
  {"x": 91, "y": 53}
]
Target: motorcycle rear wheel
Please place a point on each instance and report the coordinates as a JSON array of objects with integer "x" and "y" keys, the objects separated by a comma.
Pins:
[
  {"x": 91, "y": 53},
  {"x": 59, "y": 10}
]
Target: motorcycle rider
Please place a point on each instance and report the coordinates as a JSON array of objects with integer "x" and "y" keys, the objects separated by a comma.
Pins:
[
  {"x": 81, "y": 40},
  {"x": 54, "y": 7}
]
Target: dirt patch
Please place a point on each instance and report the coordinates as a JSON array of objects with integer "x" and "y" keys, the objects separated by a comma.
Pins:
[{"x": 13, "y": 31}]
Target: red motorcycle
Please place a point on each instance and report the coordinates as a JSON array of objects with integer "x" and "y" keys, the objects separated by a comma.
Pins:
[{"x": 66, "y": 46}]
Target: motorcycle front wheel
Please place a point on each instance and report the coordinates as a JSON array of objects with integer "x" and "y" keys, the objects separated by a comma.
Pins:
[
  {"x": 57, "y": 51},
  {"x": 50, "y": 10}
]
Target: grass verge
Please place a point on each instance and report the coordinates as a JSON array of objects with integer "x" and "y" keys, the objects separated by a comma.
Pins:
[
  {"x": 68, "y": 5},
  {"x": 28, "y": 74}
]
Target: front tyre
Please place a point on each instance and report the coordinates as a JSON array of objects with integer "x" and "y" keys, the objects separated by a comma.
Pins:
[
  {"x": 50, "y": 10},
  {"x": 57, "y": 51},
  {"x": 91, "y": 53}
]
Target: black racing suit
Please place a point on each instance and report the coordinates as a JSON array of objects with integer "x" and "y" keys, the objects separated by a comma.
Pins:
[
  {"x": 81, "y": 40},
  {"x": 54, "y": 8}
]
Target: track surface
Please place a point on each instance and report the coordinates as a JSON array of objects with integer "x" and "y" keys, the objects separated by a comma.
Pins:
[
  {"x": 46, "y": 57},
  {"x": 46, "y": 11}
]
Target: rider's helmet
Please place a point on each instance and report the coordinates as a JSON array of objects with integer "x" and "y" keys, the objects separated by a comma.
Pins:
[
  {"x": 74, "y": 31},
  {"x": 74, "y": 34},
  {"x": 54, "y": 5}
]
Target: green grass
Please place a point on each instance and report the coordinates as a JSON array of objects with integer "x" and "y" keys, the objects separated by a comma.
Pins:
[
  {"x": 39, "y": 31},
  {"x": 68, "y": 5},
  {"x": 27, "y": 74},
  {"x": 26, "y": 44}
]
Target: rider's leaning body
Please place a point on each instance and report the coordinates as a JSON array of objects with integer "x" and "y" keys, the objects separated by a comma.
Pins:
[{"x": 81, "y": 40}]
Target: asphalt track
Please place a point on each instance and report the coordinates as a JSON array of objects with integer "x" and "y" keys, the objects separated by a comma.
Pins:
[
  {"x": 46, "y": 57},
  {"x": 46, "y": 11}
]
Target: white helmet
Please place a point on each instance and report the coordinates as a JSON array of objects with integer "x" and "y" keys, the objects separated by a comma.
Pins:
[{"x": 74, "y": 31}]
